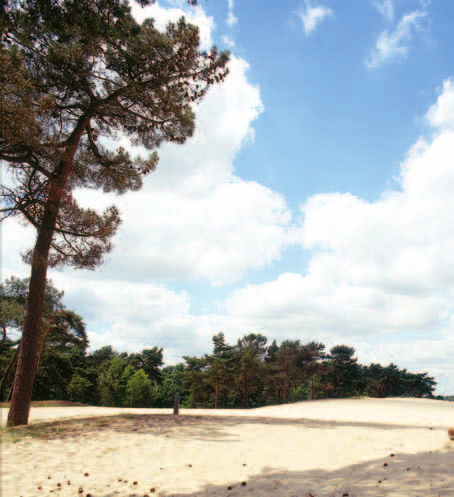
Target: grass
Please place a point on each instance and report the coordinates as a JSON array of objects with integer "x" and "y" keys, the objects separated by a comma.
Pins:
[
  {"x": 61, "y": 428},
  {"x": 17, "y": 434},
  {"x": 42, "y": 430}
]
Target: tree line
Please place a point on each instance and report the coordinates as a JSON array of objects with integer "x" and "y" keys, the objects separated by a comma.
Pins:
[{"x": 251, "y": 373}]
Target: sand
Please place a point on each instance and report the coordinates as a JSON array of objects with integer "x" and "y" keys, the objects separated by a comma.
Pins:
[{"x": 355, "y": 448}]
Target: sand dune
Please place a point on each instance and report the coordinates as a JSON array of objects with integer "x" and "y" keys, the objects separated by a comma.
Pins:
[{"x": 359, "y": 448}]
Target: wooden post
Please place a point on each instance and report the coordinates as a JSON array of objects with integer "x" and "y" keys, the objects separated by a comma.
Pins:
[{"x": 176, "y": 402}]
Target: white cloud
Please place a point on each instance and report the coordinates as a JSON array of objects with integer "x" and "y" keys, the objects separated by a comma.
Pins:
[
  {"x": 380, "y": 276},
  {"x": 385, "y": 8},
  {"x": 15, "y": 238},
  {"x": 312, "y": 16},
  {"x": 194, "y": 219},
  {"x": 216, "y": 236},
  {"x": 231, "y": 19},
  {"x": 378, "y": 270},
  {"x": 441, "y": 114},
  {"x": 228, "y": 41},
  {"x": 392, "y": 46},
  {"x": 162, "y": 16}
]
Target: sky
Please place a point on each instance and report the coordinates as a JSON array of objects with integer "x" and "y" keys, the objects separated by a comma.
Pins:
[{"x": 314, "y": 201}]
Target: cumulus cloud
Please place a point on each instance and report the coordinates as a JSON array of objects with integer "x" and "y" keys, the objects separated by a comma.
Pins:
[
  {"x": 380, "y": 273},
  {"x": 394, "y": 45},
  {"x": 441, "y": 114},
  {"x": 312, "y": 16},
  {"x": 194, "y": 218},
  {"x": 16, "y": 238},
  {"x": 385, "y": 8},
  {"x": 162, "y": 16}
]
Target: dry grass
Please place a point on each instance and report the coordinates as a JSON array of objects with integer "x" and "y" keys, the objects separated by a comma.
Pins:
[
  {"x": 49, "y": 403},
  {"x": 37, "y": 430},
  {"x": 47, "y": 430}
]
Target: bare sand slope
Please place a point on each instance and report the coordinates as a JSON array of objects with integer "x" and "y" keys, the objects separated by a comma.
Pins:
[
  {"x": 359, "y": 448},
  {"x": 400, "y": 411}
]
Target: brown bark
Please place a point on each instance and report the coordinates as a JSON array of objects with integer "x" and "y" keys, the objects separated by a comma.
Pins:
[
  {"x": 286, "y": 380},
  {"x": 8, "y": 369},
  {"x": 245, "y": 391},
  {"x": 10, "y": 392},
  {"x": 41, "y": 345},
  {"x": 26, "y": 366},
  {"x": 28, "y": 353},
  {"x": 216, "y": 392},
  {"x": 11, "y": 363}
]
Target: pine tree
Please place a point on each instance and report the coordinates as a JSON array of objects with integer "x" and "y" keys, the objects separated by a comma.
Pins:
[
  {"x": 151, "y": 361},
  {"x": 72, "y": 73},
  {"x": 60, "y": 327},
  {"x": 309, "y": 357},
  {"x": 288, "y": 354},
  {"x": 195, "y": 379},
  {"x": 346, "y": 372},
  {"x": 219, "y": 370},
  {"x": 248, "y": 368}
]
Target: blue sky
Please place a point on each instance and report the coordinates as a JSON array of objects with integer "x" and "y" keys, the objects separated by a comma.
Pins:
[{"x": 313, "y": 202}]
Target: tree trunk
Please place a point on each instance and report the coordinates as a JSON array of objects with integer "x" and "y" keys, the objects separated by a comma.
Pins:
[
  {"x": 286, "y": 395},
  {"x": 28, "y": 353},
  {"x": 8, "y": 398},
  {"x": 245, "y": 391},
  {"x": 8, "y": 369},
  {"x": 41, "y": 345}
]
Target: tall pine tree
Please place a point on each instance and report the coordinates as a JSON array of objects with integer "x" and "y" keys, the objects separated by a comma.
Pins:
[{"x": 71, "y": 73}]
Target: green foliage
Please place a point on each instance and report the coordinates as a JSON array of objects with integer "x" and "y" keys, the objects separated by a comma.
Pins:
[
  {"x": 112, "y": 382},
  {"x": 79, "y": 388},
  {"x": 63, "y": 334},
  {"x": 248, "y": 374},
  {"x": 150, "y": 360},
  {"x": 299, "y": 393},
  {"x": 174, "y": 383},
  {"x": 101, "y": 356},
  {"x": 60, "y": 326},
  {"x": 53, "y": 376},
  {"x": 344, "y": 374},
  {"x": 139, "y": 390},
  {"x": 72, "y": 72}
]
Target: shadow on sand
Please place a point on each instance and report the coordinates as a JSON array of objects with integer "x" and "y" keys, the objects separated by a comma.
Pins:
[
  {"x": 428, "y": 474},
  {"x": 189, "y": 427}
]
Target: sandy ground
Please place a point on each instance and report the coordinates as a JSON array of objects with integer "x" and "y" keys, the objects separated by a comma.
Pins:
[{"x": 355, "y": 448}]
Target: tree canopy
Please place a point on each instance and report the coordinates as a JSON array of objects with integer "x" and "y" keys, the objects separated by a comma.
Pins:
[
  {"x": 62, "y": 330},
  {"x": 74, "y": 77},
  {"x": 232, "y": 376}
]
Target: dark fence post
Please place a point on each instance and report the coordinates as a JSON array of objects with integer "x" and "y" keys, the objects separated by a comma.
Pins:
[{"x": 176, "y": 403}]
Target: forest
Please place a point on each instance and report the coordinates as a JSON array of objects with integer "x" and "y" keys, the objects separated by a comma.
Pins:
[{"x": 251, "y": 373}]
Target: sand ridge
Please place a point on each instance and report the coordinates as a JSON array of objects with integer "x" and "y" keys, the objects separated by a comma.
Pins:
[{"x": 258, "y": 453}]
